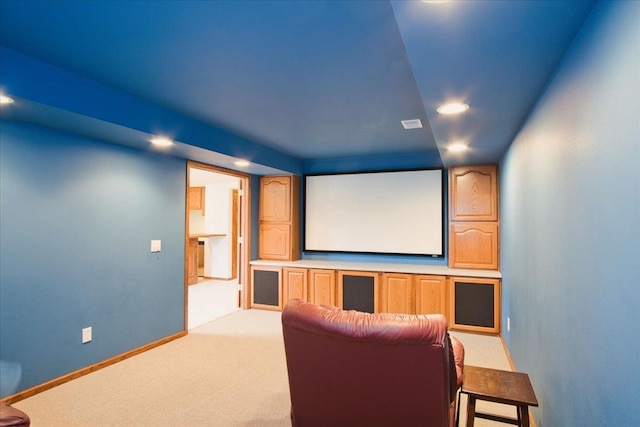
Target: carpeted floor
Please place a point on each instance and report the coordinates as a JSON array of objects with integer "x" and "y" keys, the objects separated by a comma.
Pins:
[{"x": 229, "y": 372}]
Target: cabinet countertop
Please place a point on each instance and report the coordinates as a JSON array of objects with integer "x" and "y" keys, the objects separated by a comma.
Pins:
[
  {"x": 204, "y": 236},
  {"x": 381, "y": 267}
]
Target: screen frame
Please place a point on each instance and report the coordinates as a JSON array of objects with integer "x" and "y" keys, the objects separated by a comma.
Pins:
[{"x": 443, "y": 209}]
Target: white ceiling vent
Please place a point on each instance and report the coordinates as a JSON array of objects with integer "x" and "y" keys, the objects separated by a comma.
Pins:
[{"x": 412, "y": 124}]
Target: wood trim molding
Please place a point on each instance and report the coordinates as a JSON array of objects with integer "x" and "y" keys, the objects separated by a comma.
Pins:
[
  {"x": 244, "y": 268},
  {"x": 89, "y": 369}
]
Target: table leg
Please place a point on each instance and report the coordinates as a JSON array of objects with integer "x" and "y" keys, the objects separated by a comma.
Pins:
[
  {"x": 471, "y": 410},
  {"x": 523, "y": 415}
]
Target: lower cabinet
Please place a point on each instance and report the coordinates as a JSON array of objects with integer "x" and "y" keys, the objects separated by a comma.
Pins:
[
  {"x": 192, "y": 262},
  {"x": 397, "y": 293},
  {"x": 431, "y": 294},
  {"x": 469, "y": 303},
  {"x": 266, "y": 287},
  {"x": 294, "y": 284},
  {"x": 322, "y": 287}
]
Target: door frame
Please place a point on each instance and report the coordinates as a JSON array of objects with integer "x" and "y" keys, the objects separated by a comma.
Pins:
[{"x": 244, "y": 231}]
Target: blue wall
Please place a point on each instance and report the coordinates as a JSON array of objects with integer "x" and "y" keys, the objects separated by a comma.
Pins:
[
  {"x": 570, "y": 224},
  {"x": 77, "y": 218}
]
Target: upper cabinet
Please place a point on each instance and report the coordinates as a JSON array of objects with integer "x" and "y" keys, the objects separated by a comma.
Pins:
[
  {"x": 275, "y": 198},
  {"x": 279, "y": 233},
  {"x": 474, "y": 221},
  {"x": 195, "y": 199},
  {"x": 473, "y": 192}
]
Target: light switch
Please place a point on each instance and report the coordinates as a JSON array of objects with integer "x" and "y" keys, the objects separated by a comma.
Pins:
[
  {"x": 86, "y": 335},
  {"x": 155, "y": 245}
]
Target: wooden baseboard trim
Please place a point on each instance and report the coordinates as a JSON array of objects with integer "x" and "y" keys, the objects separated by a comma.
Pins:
[
  {"x": 87, "y": 370},
  {"x": 532, "y": 422}
]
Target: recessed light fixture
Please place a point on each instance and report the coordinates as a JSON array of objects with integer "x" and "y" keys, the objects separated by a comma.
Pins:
[
  {"x": 412, "y": 124},
  {"x": 242, "y": 163},
  {"x": 4, "y": 99},
  {"x": 453, "y": 108},
  {"x": 457, "y": 147},
  {"x": 161, "y": 141}
]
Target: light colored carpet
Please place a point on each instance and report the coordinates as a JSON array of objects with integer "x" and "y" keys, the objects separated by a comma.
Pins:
[{"x": 230, "y": 372}]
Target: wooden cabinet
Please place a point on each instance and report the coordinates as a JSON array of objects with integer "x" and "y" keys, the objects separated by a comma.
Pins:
[
  {"x": 397, "y": 293},
  {"x": 294, "y": 284},
  {"x": 468, "y": 303},
  {"x": 192, "y": 261},
  {"x": 275, "y": 241},
  {"x": 431, "y": 294},
  {"x": 475, "y": 304},
  {"x": 322, "y": 287},
  {"x": 473, "y": 214},
  {"x": 473, "y": 245},
  {"x": 279, "y": 235},
  {"x": 195, "y": 199},
  {"x": 473, "y": 193}
]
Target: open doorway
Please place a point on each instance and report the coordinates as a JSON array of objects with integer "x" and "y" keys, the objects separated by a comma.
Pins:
[{"x": 216, "y": 244}]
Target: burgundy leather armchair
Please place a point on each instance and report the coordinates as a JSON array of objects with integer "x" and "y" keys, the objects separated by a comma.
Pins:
[
  {"x": 13, "y": 417},
  {"x": 348, "y": 368}
]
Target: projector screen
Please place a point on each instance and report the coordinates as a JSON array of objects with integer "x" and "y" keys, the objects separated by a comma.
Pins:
[{"x": 399, "y": 212}]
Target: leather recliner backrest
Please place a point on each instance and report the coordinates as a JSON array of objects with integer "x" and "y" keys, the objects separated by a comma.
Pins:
[{"x": 349, "y": 368}]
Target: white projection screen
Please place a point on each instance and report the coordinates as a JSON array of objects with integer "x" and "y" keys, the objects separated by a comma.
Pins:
[{"x": 398, "y": 212}]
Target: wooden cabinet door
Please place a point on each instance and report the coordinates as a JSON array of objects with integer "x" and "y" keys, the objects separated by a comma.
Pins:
[
  {"x": 397, "y": 294},
  {"x": 195, "y": 199},
  {"x": 431, "y": 294},
  {"x": 275, "y": 241},
  {"x": 473, "y": 193},
  {"x": 275, "y": 198},
  {"x": 473, "y": 245},
  {"x": 294, "y": 284},
  {"x": 322, "y": 287},
  {"x": 192, "y": 262}
]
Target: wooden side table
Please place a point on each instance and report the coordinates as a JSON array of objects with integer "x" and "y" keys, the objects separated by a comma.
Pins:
[{"x": 509, "y": 388}]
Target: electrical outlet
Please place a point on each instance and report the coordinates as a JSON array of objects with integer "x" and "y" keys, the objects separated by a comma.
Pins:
[
  {"x": 508, "y": 324},
  {"x": 86, "y": 335}
]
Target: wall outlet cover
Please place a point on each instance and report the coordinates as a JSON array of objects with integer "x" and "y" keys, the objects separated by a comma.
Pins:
[{"x": 86, "y": 335}]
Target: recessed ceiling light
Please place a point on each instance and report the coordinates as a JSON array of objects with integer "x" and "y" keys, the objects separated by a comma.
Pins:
[
  {"x": 4, "y": 99},
  {"x": 242, "y": 163},
  {"x": 161, "y": 141},
  {"x": 412, "y": 124},
  {"x": 452, "y": 108},
  {"x": 457, "y": 147}
]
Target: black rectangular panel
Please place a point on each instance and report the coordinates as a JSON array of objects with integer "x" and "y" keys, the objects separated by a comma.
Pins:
[
  {"x": 265, "y": 287},
  {"x": 474, "y": 304},
  {"x": 358, "y": 293}
]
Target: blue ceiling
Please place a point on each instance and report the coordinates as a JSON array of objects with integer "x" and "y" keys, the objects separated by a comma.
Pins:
[{"x": 309, "y": 79}]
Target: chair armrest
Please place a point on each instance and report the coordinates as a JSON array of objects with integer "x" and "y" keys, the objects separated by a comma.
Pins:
[{"x": 458, "y": 356}]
